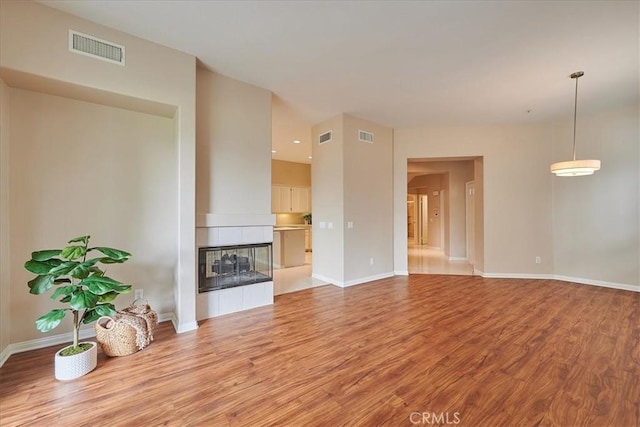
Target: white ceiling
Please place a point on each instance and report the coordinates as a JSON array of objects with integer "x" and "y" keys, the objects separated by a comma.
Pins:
[{"x": 403, "y": 63}]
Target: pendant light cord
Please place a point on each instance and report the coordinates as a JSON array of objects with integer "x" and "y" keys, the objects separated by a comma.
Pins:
[{"x": 575, "y": 115}]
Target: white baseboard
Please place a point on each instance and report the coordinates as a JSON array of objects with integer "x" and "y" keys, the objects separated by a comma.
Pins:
[
  {"x": 457, "y": 258},
  {"x": 367, "y": 279},
  {"x": 579, "y": 280},
  {"x": 514, "y": 275},
  {"x": 342, "y": 284},
  {"x": 621, "y": 286},
  {"x": 401, "y": 272},
  {"x": 328, "y": 280},
  {"x": 65, "y": 338},
  {"x": 183, "y": 327}
]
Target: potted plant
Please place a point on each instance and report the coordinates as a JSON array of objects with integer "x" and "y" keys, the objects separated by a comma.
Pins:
[
  {"x": 307, "y": 217},
  {"x": 84, "y": 288}
]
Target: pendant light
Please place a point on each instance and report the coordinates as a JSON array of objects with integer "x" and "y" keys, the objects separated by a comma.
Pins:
[{"x": 575, "y": 167}]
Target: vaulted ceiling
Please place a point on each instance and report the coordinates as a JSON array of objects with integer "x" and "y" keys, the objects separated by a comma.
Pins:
[{"x": 403, "y": 63}]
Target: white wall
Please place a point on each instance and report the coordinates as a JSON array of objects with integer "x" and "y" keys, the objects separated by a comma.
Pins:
[
  {"x": 33, "y": 41},
  {"x": 80, "y": 168},
  {"x": 5, "y": 258},
  {"x": 233, "y": 149},
  {"x": 596, "y": 219},
  {"x": 516, "y": 200}
]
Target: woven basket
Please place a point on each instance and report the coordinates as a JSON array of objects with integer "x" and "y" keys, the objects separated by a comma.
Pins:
[
  {"x": 141, "y": 308},
  {"x": 115, "y": 338}
]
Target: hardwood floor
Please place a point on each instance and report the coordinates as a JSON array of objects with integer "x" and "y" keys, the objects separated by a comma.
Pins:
[{"x": 417, "y": 350}]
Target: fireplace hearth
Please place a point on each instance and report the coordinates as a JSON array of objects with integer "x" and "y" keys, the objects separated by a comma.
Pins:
[{"x": 226, "y": 267}]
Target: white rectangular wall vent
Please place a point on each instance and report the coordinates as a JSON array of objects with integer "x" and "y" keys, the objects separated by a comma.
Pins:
[
  {"x": 324, "y": 137},
  {"x": 94, "y": 47},
  {"x": 365, "y": 136}
]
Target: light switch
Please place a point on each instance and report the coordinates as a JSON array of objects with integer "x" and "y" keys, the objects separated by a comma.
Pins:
[
  {"x": 349, "y": 224},
  {"x": 323, "y": 224},
  {"x": 330, "y": 225}
]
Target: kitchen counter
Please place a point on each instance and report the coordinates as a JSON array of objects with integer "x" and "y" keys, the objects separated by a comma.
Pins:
[
  {"x": 291, "y": 227},
  {"x": 288, "y": 246}
]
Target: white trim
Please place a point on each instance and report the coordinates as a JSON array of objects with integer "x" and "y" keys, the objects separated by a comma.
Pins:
[
  {"x": 457, "y": 258},
  {"x": 367, "y": 279},
  {"x": 401, "y": 272},
  {"x": 328, "y": 280},
  {"x": 515, "y": 275},
  {"x": 622, "y": 286},
  {"x": 51, "y": 340},
  {"x": 183, "y": 327},
  {"x": 612, "y": 285}
]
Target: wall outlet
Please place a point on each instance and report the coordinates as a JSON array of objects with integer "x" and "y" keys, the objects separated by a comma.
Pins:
[
  {"x": 371, "y": 261},
  {"x": 138, "y": 294},
  {"x": 538, "y": 260}
]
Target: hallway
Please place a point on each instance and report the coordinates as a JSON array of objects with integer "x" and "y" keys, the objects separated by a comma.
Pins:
[{"x": 426, "y": 260}]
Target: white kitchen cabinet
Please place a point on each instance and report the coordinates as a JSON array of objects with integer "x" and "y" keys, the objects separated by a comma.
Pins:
[{"x": 290, "y": 199}]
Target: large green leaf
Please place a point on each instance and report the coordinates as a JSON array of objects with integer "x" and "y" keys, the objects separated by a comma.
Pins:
[
  {"x": 108, "y": 297},
  {"x": 73, "y": 252},
  {"x": 64, "y": 268},
  {"x": 99, "y": 310},
  {"x": 45, "y": 255},
  {"x": 116, "y": 255},
  {"x": 82, "y": 299},
  {"x": 40, "y": 284},
  {"x": 50, "y": 320},
  {"x": 41, "y": 267},
  {"x": 83, "y": 239},
  {"x": 63, "y": 290},
  {"x": 101, "y": 285}
]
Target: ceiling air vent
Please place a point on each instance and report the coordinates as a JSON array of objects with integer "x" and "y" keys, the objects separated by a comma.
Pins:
[
  {"x": 324, "y": 137},
  {"x": 96, "y": 48},
  {"x": 365, "y": 136}
]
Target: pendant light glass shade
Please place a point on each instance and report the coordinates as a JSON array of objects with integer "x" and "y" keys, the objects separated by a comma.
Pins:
[{"x": 575, "y": 167}]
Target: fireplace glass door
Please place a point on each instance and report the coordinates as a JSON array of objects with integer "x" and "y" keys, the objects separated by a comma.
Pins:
[{"x": 230, "y": 266}]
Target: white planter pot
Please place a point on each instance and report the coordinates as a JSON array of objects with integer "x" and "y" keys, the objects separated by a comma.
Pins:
[{"x": 77, "y": 365}]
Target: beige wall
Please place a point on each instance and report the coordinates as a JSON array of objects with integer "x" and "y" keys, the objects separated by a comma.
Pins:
[
  {"x": 368, "y": 201},
  {"x": 327, "y": 174},
  {"x": 233, "y": 146},
  {"x": 516, "y": 198},
  {"x": 33, "y": 40},
  {"x": 596, "y": 218},
  {"x": 80, "y": 168},
  {"x": 349, "y": 189},
  {"x": 290, "y": 173},
  {"x": 5, "y": 258}
]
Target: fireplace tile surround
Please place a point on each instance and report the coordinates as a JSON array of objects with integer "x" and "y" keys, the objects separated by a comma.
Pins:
[{"x": 231, "y": 300}]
